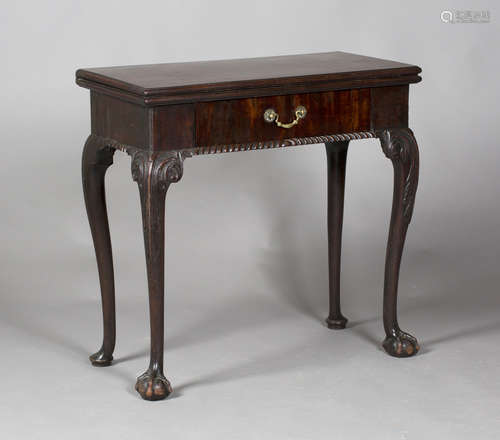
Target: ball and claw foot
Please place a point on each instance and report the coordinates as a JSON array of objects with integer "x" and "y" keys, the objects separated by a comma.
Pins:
[
  {"x": 153, "y": 385},
  {"x": 100, "y": 359},
  {"x": 401, "y": 344},
  {"x": 337, "y": 323}
]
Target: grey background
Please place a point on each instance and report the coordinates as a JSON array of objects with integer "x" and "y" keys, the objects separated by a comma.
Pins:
[{"x": 246, "y": 238}]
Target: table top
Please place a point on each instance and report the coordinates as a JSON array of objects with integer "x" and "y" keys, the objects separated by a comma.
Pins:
[{"x": 156, "y": 84}]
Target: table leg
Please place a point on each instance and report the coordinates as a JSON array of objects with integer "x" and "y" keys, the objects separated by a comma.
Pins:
[
  {"x": 336, "y": 161},
  {"x": 400, "y": 146},
  {"x": 154, "y": 172},
  {"x": 96, "y": 159}
]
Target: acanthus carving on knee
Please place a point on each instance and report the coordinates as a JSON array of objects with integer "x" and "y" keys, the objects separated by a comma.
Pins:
[{"x": 400, "y": 146}]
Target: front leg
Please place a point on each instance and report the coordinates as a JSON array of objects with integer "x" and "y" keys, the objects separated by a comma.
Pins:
[
  {"x": 97, "y": 157},
  {"x": 400, "y": 146},
  {"x": 154, "y": 172}
]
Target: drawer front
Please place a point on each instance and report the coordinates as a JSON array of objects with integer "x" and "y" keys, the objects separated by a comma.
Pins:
[{"x": 242, "y": 121}]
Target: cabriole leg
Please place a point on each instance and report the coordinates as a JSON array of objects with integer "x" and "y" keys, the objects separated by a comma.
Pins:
[
  {"x": 400, "y": 146},
  {"x": 154, "y": 172},
  {"x": 96, "y": 159}
]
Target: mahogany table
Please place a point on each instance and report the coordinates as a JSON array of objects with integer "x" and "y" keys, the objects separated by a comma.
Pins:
[{"x": 161, "y": 114}]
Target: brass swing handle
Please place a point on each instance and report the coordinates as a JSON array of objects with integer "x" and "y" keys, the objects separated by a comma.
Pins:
[{"x": 270, "y": 115}]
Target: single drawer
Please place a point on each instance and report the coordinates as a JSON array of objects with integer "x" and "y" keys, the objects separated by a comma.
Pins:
[{"x": 242, "y": 120}]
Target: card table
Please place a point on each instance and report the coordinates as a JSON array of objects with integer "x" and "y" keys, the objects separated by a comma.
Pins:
[{"x": 161, "y": 114}]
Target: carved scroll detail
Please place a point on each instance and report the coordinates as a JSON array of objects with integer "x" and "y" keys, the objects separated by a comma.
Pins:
[
  {"x": 165, "y": 167},
  {"x": 400, "y": 147},
  {"x": 102, "y": 151},
  {"x": 162, "y": 168}
]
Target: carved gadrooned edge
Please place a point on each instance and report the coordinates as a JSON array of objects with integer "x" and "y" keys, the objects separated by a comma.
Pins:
[
  {"x": 400, "y": 146},
  {"x": 168, "y": 165},
  {"x": 214, "y": 149}
]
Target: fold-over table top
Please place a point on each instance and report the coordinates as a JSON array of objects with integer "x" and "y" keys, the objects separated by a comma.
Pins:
[{"x": 160, "y": 84}]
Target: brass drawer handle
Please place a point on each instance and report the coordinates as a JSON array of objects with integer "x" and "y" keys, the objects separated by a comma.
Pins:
[{"x": 270, "y": 115}]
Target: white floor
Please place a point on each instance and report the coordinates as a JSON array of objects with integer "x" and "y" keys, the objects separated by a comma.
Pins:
[{"x": 253, "y": 364}]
